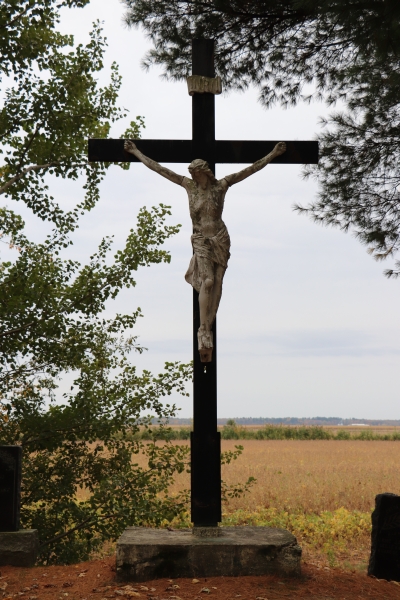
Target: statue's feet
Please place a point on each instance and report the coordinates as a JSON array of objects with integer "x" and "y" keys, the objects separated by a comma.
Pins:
[
  {"x": 205, "y": 344},
  {"x": 206, "y": 355}
]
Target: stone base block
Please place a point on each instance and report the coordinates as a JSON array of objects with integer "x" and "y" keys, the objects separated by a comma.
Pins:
[
  {"x": 144, "y": 554},
  {"x": 19, "y": 548}
]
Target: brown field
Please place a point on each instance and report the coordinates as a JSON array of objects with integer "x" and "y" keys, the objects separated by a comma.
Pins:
[
  {"x": 311, "y": 475},
  {"x": 299, "y": 480}
]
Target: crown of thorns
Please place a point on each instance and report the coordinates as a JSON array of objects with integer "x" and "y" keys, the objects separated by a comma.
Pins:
[{"x": 201, "y": 165}]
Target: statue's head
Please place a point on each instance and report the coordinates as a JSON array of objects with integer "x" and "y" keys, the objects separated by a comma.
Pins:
[{"x": 202, "y": 166}]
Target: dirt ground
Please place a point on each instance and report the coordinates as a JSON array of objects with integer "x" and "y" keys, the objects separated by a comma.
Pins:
[{"x": 96, "y": 580}]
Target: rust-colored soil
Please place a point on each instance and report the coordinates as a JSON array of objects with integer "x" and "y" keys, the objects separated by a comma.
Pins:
[{"x": 96, "y": 580}]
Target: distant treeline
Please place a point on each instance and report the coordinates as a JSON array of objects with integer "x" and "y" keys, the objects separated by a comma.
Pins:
[
  {"x": 233, "y": 431},
  {"x": 303, "y": 421}
]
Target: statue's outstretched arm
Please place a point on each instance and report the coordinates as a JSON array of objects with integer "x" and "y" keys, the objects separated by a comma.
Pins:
[
  {"x": 279, "y": 149},
  {"x": 130, "y": 147}
]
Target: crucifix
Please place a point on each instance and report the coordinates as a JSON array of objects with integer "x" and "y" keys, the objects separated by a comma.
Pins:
[{"x": 210, "y": 241}]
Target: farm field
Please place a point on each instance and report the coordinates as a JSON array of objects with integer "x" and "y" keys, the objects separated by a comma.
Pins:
[
  {"x": 311, "y": 476},
  {"x": 322, "y": 491}
]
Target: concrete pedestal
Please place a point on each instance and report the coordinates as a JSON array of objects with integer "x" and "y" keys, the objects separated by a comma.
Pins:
[
  {"x": 144, "y": 554},
  {"x": 19, "y": 548}
]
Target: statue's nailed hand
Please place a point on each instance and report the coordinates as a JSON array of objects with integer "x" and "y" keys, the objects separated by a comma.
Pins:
[
  {"x": 280, "y": 148},
  {"x": 129, "y": 146}
]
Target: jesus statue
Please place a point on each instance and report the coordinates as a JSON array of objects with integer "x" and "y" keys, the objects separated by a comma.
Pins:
[{"x": 210, "y": 238}]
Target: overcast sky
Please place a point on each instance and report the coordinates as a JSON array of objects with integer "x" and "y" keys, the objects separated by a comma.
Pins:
[{"x": 307, "y": 325}]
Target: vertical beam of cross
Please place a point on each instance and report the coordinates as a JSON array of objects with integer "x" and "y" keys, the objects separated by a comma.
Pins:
[{"x": 205, "y": 439}]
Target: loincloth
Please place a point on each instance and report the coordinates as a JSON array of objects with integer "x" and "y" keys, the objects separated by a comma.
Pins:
[{"x": 214, "y": 249}]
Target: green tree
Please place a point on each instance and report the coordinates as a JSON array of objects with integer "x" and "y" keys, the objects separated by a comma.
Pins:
[
  {"x": 82, "y": 479},
  {"x": 342, "y": 51}
]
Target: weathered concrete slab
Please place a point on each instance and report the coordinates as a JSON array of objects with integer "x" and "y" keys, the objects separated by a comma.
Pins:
[
  {"x": 19, "y": 548},
  {"x": 144, "y": 554}
]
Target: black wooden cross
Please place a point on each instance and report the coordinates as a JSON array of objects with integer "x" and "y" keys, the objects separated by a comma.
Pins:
[{"x": 205, "y": 439}]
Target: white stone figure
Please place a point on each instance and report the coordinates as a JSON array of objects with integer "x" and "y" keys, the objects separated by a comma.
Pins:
[{"x": 210, "y": 239}]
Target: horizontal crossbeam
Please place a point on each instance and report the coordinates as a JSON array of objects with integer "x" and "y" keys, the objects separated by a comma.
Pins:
[{"x": 180, "y": 151}]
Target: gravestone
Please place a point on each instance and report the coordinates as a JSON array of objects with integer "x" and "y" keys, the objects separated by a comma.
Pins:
[
  {"x": 384, "y": 562},
  {"x": 10, "y": 487},
  {"x": 18, "y": 547}
]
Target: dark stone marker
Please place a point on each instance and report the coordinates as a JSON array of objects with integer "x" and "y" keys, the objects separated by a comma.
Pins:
[
  {"x": 10, "y": 487},
  {"x": 384, "y": 562}
]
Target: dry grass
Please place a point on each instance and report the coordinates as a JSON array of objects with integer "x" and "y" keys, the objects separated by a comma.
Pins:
[
  {"x": 322, "y": 491},
  {"x": 312, "y": 476}
]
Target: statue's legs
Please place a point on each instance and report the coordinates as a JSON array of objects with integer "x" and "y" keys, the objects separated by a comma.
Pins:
[
  {"x": 204, "y": 336},
  {"x": 209, "y": 298},
  {"x": 219, "y": 272}
]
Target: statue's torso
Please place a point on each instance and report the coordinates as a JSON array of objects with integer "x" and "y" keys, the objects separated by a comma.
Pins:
[{"x": 206, "y": 206}]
